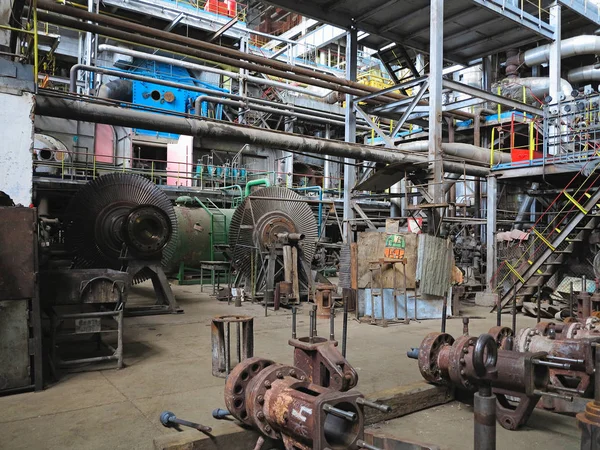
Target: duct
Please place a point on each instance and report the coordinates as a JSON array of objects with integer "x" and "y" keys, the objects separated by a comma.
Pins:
[
  {"x": 116, "y": 90},
  {"x": 466, "y": 151},
  {"x": 54, "y": 106},
  {"x": 537, "y": 88},
  {"x": 579, "y": 45},
  {"x": 584, "y": 74},
  {"x": 193, "y": 66},
  {"x": 525, "y": 207}
]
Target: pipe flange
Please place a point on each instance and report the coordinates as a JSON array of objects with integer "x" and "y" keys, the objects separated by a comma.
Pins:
[
  {"x": 237, "y": 385},
  {"x": 255, "y": 397},
  {"x": 459, "y": 359},
  {"x": 501, "y": 335},
  {"x": 429, "y": 352}
]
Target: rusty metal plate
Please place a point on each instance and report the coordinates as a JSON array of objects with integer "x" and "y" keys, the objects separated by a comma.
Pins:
[{"x": 17, "y": 253}]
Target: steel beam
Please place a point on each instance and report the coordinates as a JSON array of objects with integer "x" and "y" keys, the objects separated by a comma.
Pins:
[
  {"x": 517, "y": 15},
  {"x": 492, "y": 203},
  {"x": 554, "y": 62},
  {"x": 350, "y": 131},
  {"x": 436, "y": 66},
  {"x": 479, "y": 93},
  {"x": 388, "y": 142},
  {"x": 416, "y": 99}
]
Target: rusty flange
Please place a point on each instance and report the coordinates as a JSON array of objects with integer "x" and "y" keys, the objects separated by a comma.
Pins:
[
  {"x": 434, "y": 346},
  {"x": 461, "y": 361},
  {"x": 237, "y": 385}
]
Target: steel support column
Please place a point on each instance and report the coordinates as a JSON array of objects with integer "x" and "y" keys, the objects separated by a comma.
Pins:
[
  {"x": 492, "y": 201},
  {"x": 554, "y": 62},
  {"x": 436, "y": 66},
  {"x": 350, "y": 134}
]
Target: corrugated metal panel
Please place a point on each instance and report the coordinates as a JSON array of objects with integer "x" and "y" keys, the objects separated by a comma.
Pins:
[{"x": 434, "y": 265}]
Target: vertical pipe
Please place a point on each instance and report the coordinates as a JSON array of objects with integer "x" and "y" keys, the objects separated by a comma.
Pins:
[
  {"x": 36, "y": 67},
  {"x": 311, "y": 325},
  {"x": 294, "y": 312},
  {"x": 485, "y": 420},
  {"x": 406, "y": 319},
  {"x": 239, "y": 342},
  {"x": 514, "y": 313},
  {"x": 571, "y": 301},
  {"x": 314, "y": 311},
  {"x": 350, "y": 131},
  {"x": 539, "y": 302},
  {"x": 465, "y": 326},
  {"x": 492, "y": 187},
  {"x": 332, "y": 323},
  {"x": 345, "y": 328},
  {"x": 444, "y": 313}
]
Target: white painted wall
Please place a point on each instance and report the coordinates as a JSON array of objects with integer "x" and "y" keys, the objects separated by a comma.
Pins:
[{"x": 16, "y": 175}]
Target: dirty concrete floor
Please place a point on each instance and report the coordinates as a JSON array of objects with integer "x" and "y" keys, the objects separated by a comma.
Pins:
[{"x": 168, "y": 367}]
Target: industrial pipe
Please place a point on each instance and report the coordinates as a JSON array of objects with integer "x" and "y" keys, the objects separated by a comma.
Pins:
[
  {"x": 579, "y": 45},
  {"x": 467, "y": 151},
  {"x": 219, "y": 131},
  {"x": 77, "y": 67},
  {"x": 196, "y": 48},
  {"x": 260, "y": 182},
  {"x": 117, "y": 90},
  {"x": 193, "y": 66},
  {"x": 249, "y": 105},
  {"x": 583, "y": 74}
]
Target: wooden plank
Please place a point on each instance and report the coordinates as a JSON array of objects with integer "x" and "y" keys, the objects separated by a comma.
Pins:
[
  {"x": 239, "y": 439},
  {"x": 407, "y": 399}
]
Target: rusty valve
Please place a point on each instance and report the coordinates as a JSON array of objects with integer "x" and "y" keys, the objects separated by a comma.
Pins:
[{"x": 525, "y": 376}]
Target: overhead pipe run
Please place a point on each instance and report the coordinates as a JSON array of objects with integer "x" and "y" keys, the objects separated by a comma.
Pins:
[
  {"x": 64, "y": 15},
  {"x": 225, "y": 132},
  {"x": 109, "y": 89},
  {"x": 468, "y": 152},
  {"x": 536, "y": 88},
  {"x": 193, "y": 66},
  {"x": 579, "y": 45}
]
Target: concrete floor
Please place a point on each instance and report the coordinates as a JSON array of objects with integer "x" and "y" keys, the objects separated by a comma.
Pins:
[{"x": 168, "y": 367}]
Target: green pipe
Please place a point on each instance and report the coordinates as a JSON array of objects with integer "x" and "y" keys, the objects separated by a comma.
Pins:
[
  {"x": 320, "y": 191},
  {"x": 263, "y": 181},
  {"x": 234, "y": 186}
]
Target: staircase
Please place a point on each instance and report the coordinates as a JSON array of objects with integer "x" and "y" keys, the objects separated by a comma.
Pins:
[
  {"x": 219, "y": 232},
  {"x": 549, "y": 246},
  {"x": 399, "y": 57}
]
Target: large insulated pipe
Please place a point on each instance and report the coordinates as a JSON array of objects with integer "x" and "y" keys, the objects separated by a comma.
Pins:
[
  {"x": 117, "y": 90},
  {"x": 584, "y": 74},
  {"x": 193, "y": 66},
  {"x": 197, "y": 48},
  {"x": 468, "y": 152},
  {"x": 525, "y": 207},
  {"x": 225, "y": 132},
  {"x": 536, "y": 88},
  {"x": 579, "y": 45}
]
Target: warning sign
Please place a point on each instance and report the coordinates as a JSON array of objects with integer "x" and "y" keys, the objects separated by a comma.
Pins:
[{"x": 395, "y": 247}]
